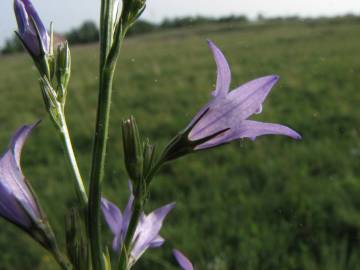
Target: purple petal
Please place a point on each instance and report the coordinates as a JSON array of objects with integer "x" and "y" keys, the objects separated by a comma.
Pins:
[
  {"x": 157, "y": 242},
  {"x": 11, "y": 210},
  {"x": 249, "y": 97},
  {"x": 117, "y": 241},
  {"x": 117, "y": 222},
  {"x": 239, "y": 104},
  {"x": 127, "y": 212},
  {"x": 112, "y": 215},
  {"x": 16, "y": 195},
  {"x": 19, "y": 138},
  {"x": 39, "y": 24},
  {"x": 148, "y": 230},
  {"x": 251, "y": 129},
  {"x": 223, "y": 71},
  {"x": 21, "y": 16},
  {"x": 182, "y": 260},
  {"x": 24, "y": 11}
]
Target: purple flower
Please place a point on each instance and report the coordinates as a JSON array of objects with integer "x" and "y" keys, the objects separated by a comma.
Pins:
[
  {"x": 32, "y": 31},
  {"x": 147, "y": 231},
  {"x": 182, "y": 260},
  {"x": 225, "y": 117},
  {"x": 17, "y": 203}
]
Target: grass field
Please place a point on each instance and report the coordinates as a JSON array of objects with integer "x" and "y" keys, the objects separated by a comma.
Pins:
[{"x": 270, "y": 204}]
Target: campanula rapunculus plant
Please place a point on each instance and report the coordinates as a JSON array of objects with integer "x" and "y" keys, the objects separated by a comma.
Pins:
[
  {"x": 32, "y": 31},
  {"x": 225, "y": 117}
]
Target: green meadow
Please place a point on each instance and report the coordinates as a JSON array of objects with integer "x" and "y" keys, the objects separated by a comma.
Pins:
[{"x": 271, "y": 204}]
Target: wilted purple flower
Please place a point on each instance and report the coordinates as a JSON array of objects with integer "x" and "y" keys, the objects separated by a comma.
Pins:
[
  {"x": 32, "y": 31},
  {"x": 225, "y": 117},
  {"x": 17, "y": 201},
  {"x": 147, "y": 231},
  {"x": 182, "y": 260}
]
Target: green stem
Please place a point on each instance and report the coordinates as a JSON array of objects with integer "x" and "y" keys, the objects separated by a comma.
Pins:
[
  {"x": 100, "y": 142},
  {"x": 65, "y": 138},
  {"x": 125, "y": 250},
  {"x": 98, "y": 163},
  {"x": 110, "y": 43},
  {"x": 61, "y": 260}
]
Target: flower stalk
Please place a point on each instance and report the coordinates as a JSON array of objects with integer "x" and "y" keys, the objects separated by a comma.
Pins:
[
  {"x": 97, "y": 169},
  {"x": 111, "y": 37},
  {"x": 65, "y": 138},
  {"x": 55, "y": 103}
]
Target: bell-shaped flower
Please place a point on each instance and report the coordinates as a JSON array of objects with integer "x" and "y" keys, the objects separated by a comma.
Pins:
[
  {"x": 18, "y": 203},
  {"x": 32, "y": 31},
  {"x": 147, "y": 231},
  {"x": 182, "y": 260},
  {"x": 225, "y": 117}
]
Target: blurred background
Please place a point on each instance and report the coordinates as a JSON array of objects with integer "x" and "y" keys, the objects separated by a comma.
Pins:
[{"x": 270, "y": 204}]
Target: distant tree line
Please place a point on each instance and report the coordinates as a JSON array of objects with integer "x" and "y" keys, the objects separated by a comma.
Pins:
[{"x": 88, "y": 32}]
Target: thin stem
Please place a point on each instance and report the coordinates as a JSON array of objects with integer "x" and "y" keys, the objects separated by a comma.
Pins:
[
  {"x": 107, "y": 67},
  {"x": 103, "y": 32},
  {"x": 61, "y": 260},
  {"x": 125, "y": 250},
  {"x": 97, "y": 169},
  {"x": 65, "y": 138}
]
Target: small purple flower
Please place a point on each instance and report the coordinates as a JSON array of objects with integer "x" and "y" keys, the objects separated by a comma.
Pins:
[
  {"x": 147, "y": 231},
  {"x": 225, "y": 117},
  {"x": 32, "y": 31},
  {"x": 182, "y": 260},
  {"x": 17, "y": 203}
]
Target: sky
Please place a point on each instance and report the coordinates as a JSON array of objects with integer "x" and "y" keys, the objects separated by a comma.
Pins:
[{"x": 71, "y": 13}]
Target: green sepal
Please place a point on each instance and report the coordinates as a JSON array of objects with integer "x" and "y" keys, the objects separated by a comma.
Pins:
[
  {"x": 181, "y": 145},
  {"x": 51, "y": 101},
  {"x": 148, "y": 156},
  {"x": 63, "y": 70},
  {"x": 133, "y": 150},
  {"x": 107, "y": 260}
]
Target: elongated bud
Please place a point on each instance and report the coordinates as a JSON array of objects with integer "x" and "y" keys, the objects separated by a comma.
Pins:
[
  {"x": 32, "y": 31},
  {"x": 132, "y": 9},
  {"x": 133, "y": 151},
  {"x": 76, "y": 244},
  {"x": 63, "y": 70},
  {"x": 34, "y": 36},
  {"x": 51, "y": 101}
]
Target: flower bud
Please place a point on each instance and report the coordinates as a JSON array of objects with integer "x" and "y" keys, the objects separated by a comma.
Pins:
[
  {"x": 133, "y": 151},
  {"x": 51, "y": 101},
  {"x": 32, "y": 31},
  {"x": 34, "y": 36},
  {"x": 132, "y": 9},
  {"x": 63, "y": 69},
  {"x": 76, "y": 244}
]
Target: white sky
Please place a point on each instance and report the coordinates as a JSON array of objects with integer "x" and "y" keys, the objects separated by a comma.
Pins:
[{"x": 70, "y": 13}]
